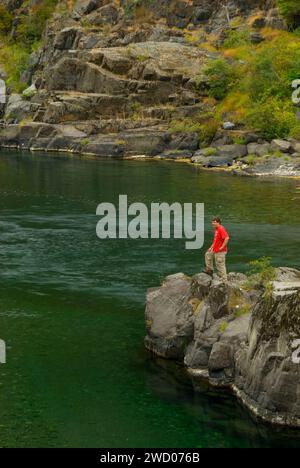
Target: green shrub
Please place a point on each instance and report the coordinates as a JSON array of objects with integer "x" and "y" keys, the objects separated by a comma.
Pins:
[
  {"x": 243, "y": 310},
  {"x": 205, "y": 124},
  {"x": 273, "y": 118},
  {"x": 210, "y": 152},
  {"x": 239, "y": 140},
  {"x": 14, "y": 58},
  {"x": 258, "y": 90},
  {"x": 273, "y": 67},
  {"x": 6, "y": 19},
  {"x": 250, "y": 159},
  {"x": 14, "y": 53},
  {"x": 221, "y": 78},
  {"x": 290, "y": 9},
  {"x": 223, "y": 327},
  {"x": 260, "y": 273},
  {"x": 236, "y": 38},
  {"x": 31, "y": 27}
]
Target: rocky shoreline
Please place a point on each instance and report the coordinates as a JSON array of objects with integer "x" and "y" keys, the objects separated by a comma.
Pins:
[
  {"x": 119, "y": 79},
  {"x": 281, "y": 158},
  {"x": 234, "y": 336}
]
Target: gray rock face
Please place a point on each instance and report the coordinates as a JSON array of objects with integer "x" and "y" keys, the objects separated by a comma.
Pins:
[
  {"x": 169, "y": 333},
  {"x": 17, "y": 108},
  {"x": 259, "y": 149},
  {"x": 219, "y": 156},
  {"x": 123, "y": 71},
  {"x": 125, "y": 93},
  {"x": 84, "y": 7},
  {"x": 269, "y": 375},
  {"x": 246, "y": 340},
  {"x": 281, "y": 145},
  {"x": 275, "y": 165}
]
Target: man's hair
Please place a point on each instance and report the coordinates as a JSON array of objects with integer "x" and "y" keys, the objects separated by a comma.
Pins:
[{"x": 218, "y": 220}]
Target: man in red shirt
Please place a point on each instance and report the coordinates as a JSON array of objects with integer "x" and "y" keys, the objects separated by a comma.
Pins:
[{"x": 218, "y": 251}]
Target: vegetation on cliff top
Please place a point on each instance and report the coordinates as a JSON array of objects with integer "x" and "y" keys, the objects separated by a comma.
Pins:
[
  {"x": 17, "y": 46},
  {"x": 252, "y": 83},
  {"x": 290, "y": 9}
]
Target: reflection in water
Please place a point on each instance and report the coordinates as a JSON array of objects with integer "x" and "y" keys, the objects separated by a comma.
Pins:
[
  {"x": 215, "y": 411},
  {"x": 72, "y": 307}
]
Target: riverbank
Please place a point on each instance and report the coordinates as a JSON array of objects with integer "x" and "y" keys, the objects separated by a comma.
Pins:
[
  {"x": 258, "y": 158},
  {"x": 175, "y": 81}
]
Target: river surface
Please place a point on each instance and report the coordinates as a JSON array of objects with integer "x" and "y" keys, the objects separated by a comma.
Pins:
[{"x": 71, "y": 306}]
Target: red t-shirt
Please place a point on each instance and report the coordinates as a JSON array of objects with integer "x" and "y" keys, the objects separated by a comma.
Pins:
[{"x": 220, "y": 235}]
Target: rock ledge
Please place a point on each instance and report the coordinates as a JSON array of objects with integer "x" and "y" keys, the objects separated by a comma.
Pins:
[{"x": 236, "y": 338}]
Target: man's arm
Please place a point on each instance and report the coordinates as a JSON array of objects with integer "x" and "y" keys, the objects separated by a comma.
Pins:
[{"x": 225, "y": 243}]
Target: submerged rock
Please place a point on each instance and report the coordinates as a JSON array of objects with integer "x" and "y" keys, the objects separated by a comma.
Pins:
[{"x": 238, "y": 338}]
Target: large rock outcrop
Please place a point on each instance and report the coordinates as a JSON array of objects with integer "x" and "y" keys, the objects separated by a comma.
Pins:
[
  {"x": 111, "y": 76},
  {"x": 235, "y": 337}
]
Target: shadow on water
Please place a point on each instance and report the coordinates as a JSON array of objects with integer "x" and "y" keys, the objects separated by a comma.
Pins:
[{"x": 216, "y": 411}]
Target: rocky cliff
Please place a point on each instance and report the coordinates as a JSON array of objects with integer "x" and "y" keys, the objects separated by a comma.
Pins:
[
  {"x": 111, "y": 76},
  {"x": 234, "y": 336}
]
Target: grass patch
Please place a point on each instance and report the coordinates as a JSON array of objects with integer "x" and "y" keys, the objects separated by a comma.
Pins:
[
  {"x": 223, "y": 326},
  {"x": 240, "y": 311},
  {"x": 205, "y": 124}
]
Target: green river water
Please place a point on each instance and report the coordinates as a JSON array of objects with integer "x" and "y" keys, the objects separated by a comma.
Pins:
[{"x": 71, "y": 306}]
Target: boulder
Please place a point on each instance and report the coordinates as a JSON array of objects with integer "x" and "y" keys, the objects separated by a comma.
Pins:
[
  {"x": 259, "y": 149},
  {"x": 228, "y": 125},
  {"x": 184, "y": 141},
  {"x": 256, "y": 37},
  {"x": 235, "y": 151},
  {"x": 244, "y": 340},
  {"x": 30, "y": 91},
  {"x": 17, "y": 108},
  {"x": 281, "y": 145},
  {"x": 220, "y": 357},
  {"x": 274, "y": 165},
  {"x": 176, "y": 154},
  {"x": 295, "y": 145},
  {"x": 219, "y": 156},
  {"x": 84, "y": 7},
  {"x": 65, "y": 39},
  {"x": 107, "y": 14},
  {"x": 201, "y": 285},
  {"x": 104, "y": 147},
  {"x": 213, "y": 161},
  {"x": 169, "y": 317}
]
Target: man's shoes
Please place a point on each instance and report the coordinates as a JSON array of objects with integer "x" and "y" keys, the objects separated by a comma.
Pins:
[{"x": 208, "y": 272}]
